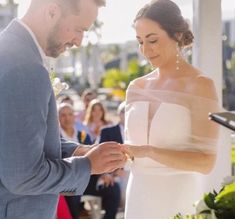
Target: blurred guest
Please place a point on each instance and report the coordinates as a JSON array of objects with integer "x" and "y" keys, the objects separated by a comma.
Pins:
[
  {"x": 65, "y": 99},
  {"x": 63, "y": 211},
  {"x": 107, "y": 188},
  {"x": 115, "y": 132},
  {"x": 87, "y": 96},
  {"x": 95, "y": 118},
  {"x": 67, "y": 121},
  {"x": 69, "y": 132},
  {"x": 104, "y": 186}
]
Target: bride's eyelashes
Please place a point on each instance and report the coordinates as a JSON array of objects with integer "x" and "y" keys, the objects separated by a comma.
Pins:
[
  {"x": 153, "y": 41},
  {"x": 149, "y": 41}
]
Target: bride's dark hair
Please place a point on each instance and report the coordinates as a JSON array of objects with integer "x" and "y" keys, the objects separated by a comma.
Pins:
[{"x": 168, "y": 15}]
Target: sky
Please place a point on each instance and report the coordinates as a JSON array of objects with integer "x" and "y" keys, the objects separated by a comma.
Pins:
[{"x": 118, "y": 15}]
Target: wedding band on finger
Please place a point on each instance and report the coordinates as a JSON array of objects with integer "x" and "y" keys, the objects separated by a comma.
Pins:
[{"x": 129, "y": 157}]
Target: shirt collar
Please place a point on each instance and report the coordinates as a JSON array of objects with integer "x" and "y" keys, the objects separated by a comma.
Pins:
[
  {"x": 64, "y": 134},
  {"x": 42, "y": 53}
]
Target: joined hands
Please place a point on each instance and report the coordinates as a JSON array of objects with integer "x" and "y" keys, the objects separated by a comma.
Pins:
[{"x": 107, "y": 157}]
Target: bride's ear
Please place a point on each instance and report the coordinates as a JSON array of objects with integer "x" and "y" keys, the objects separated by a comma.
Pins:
[{"x": 178, "y": 36}]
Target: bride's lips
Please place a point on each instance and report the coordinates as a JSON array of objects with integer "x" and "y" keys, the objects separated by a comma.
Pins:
[{"x": 153, "y": 57}]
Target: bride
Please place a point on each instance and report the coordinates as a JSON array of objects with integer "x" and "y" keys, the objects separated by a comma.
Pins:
[{"x": 167, "y": 128}]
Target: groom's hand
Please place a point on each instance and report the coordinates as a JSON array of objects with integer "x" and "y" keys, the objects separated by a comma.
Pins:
[
  {"x": 133, "y": 151},
  {"x": 106, "y": 157}
]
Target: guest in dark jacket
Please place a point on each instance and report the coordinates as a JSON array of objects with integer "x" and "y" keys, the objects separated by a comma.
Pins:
[
  {"x": 116, "y": 132},
  {"x": 107, "y": 185},
  {"x": 103, "y": 186}
]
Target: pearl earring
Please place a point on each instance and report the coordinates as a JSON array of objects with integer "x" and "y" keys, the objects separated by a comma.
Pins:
[{"x": 177, "y": 56}]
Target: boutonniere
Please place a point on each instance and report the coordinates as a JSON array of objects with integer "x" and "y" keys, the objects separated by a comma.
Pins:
[{"x": 57, "y": 85}]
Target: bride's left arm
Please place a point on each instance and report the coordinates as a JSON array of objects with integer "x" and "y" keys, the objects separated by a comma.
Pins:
[{"x": 183, "y": 160}]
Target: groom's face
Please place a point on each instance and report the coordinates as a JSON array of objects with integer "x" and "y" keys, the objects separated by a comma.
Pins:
[{"x": 69, "y": 28}]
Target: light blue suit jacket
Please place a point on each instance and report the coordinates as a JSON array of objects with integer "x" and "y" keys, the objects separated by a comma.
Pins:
[{"x": 32, "y": 172}]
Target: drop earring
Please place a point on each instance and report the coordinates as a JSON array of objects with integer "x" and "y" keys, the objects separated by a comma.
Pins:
[{"x": 177, "y": 57}]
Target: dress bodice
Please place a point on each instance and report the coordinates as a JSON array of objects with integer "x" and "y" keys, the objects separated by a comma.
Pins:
[
  {"x": 168, "y": 128},
  {"x": 170, "y": 120}
]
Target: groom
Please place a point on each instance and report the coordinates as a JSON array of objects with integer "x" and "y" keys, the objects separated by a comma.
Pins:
[{"x": 32, "y": 172}]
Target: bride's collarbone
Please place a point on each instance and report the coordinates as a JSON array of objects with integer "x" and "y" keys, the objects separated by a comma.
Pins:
[{"x": 168, "y": 84}]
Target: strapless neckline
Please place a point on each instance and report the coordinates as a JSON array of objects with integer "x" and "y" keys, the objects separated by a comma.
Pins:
[{"x": 166, "y": 117}]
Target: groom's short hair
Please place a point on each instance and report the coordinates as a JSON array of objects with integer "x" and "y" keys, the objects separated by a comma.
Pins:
[{"x": 74, "y": 4}]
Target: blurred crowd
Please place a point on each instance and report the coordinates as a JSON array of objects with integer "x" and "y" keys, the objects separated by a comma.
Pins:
[{"x": 91, "y": 125}]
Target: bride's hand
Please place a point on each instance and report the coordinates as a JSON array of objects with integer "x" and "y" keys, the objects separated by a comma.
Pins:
[{"x": 133, "y": 151}]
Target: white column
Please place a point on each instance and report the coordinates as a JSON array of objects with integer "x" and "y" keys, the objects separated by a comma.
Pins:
[
  {"x": 207, "y": 56},
  {"x": 207, "y": 29}
]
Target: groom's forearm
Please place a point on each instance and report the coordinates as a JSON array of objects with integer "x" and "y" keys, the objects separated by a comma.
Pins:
[{"x": 82, "y": 149}]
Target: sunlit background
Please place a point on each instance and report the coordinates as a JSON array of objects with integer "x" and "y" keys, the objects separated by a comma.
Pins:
[
  {"x": 111, "y": 58},
  {"x": 118, "y": 15}
]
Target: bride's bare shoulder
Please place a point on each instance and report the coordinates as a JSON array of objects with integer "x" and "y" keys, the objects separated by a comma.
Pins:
[
  {"x": 142, "y": 81},
  {"x": 203, "y": 86}
]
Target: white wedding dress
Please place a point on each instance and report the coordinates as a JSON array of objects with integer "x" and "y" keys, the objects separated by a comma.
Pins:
[{"x": 155, "y": 191}]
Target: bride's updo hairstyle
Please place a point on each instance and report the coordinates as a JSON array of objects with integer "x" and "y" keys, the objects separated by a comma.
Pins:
[{"x": 168, "y": 15}]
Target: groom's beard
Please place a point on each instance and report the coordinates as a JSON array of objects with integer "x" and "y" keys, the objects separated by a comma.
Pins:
[{"x": 54, "y": 47}]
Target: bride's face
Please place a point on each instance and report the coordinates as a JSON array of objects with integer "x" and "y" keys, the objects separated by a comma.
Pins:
[{"x": 154, "y": 42}]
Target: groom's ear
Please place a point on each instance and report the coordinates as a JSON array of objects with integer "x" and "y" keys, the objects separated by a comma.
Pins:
[{"x": 53, "y": 13}]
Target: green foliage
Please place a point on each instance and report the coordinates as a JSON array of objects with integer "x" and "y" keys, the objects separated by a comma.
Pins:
[
  {"x": 217, "y": 205},
  {"x": 226, "y": 198},
  {"x": 67, "y": 78},
  {"x": 233, "y": 155},
  {"x": 210, "y": 200},
  {"x": 222, "y": 203},
  {"x": 179, "y": 216},
  {"x": 115, "y": 78}
]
